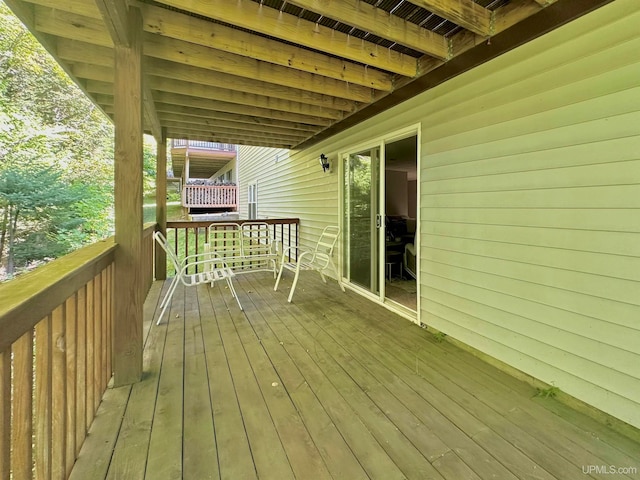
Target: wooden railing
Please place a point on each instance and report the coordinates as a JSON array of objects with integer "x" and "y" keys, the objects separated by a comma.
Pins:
[
  {"x": 202, "y": 196},
  {"x": 188, "y": 238},
  {"x": 55, "y": 360},
  {"x": 197, "y": 144}
]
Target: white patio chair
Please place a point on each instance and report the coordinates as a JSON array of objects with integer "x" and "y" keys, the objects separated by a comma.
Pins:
[
  {"x": 318, "y": 259},
  {"x": 259, "y": 247},
  {"x": 214, "y": 269}
]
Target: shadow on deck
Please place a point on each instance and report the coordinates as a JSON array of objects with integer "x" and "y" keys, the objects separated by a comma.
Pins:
[{"x": 330, "y": 386}]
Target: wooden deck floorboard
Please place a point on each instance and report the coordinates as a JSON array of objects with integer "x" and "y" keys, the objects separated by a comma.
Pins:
[{"x": 330, "y": 386}]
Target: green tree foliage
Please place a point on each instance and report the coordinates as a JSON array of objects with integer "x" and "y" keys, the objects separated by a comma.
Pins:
[
  {"x": 56, "y": 155},
  {"x": 38, "y": 214}
]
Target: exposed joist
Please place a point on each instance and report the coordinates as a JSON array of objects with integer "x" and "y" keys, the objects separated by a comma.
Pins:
[
  {"x": 228, "y": 118},
  {"x": 93, "y": 72},
  {"x": 378, "y": 22},
  {"x": 191, "y": 101},
  {"x": 188, "y": 73},
  {"x": 73, "y": 51},
  {"x": 88, "y": 9},
  {"x": 268, "y": 21},
  {"x": 219, "y": 61},
  {"x": 512, "y": 13},
  {"x": 465, "y": 13},
  {"x": 115, "y": 14},
  {"x": 234, "y": 127},
  {"x": 231, "y": 132},
  {"x": 233, "y": 119},
  {"x": 88, "y": 31},
  {"x": 71, "y": 25},
  {"x": 247, "y": 99},
  {"x": 183, "y": 27}
]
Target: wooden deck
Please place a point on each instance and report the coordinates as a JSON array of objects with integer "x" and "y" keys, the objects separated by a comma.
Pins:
[{"x": 330, "y": 386}]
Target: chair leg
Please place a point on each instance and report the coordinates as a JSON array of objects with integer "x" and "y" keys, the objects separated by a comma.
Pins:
[
  {"x": 295, "y": 282},
  {"x": 275, "y": 288},
  {"x": 166, "y": 295},
  {"x": 335, "y": 270},
  {"x": 233, "y": 292},
  {"x": 167, "y": 300}
]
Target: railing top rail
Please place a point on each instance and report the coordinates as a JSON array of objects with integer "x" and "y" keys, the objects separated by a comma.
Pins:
[
  {"x": 27, "y": 299},
  {"x": 212, "y": 186},
  {"x": 206, "y": 223}
]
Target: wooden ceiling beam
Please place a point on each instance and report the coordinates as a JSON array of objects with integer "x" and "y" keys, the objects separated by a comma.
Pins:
[
  {"x": 381, "y": 23},
  {"x": 71, "y": 25},
  {"x": 115, "y": 14},
  {"x": 218, "y": 61},
  {"x": 268, "y": 21},
  {"x": 233, "y": 138},
  {"x": 202, "y": 32},
  {"x": 234, "y": 119},
  {"x": 467, "y": 14},
  {"x": 217, "y": 130},
  {"x": 92, "y": 72},
  {"x": 172, "y": 24},
  {"x": 211, "y": 118},
  {"x": 87, "y": 9},
  {"x": 91, "y": 31},
  {"x": 247, "y": 99},
  {"x": 73, "y": 51},
  {"x": 236, "y": 127},
  {"x": 512, "y": 13},
  {"x": 191, "y": 101},
  {"x": 162, "y": 68}
]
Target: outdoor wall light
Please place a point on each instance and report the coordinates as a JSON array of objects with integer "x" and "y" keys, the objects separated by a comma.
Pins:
[{"x": 324, "y": 161}]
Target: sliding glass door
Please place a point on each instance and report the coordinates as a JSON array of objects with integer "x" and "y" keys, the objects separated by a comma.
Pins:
[{"x": 362, "y": 219}]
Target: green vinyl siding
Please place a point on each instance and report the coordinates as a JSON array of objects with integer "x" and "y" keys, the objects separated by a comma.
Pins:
[
  {"x": 529, "y": 209},
  {"x": 288, "y": 188}
]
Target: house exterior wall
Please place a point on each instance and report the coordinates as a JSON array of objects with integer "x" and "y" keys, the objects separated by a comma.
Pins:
[
  {"x": 529, "y": 212},
  {"x": 230, "y": 166}
]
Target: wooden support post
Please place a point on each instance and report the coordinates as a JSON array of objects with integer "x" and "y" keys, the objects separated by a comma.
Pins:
[
  {"x": 161, "y": 204},
  {"x": 129, "y": 298}
]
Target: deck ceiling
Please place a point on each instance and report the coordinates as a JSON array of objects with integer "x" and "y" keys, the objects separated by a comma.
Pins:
[
  {"x": 202, "y": 163},
  {"x": 284, "y": 73}
]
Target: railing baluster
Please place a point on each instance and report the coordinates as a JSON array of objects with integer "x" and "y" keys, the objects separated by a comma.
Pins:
[
  {"x": 97, "y": 341},
  {"x": 5, "y": 415},
  {"x": 103, "y": 336},
  {"x": 59, "y": 397},
  {"x": 72, "y": 379},
  {"x": 90, "y": 354},
  {"x": 43, "y": 398},
  {"x": 81, "y": 369},
  {"x": 22, "y": 401}
]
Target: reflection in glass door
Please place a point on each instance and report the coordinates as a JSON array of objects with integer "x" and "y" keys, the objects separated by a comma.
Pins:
[{"x": 362, "y": 219}]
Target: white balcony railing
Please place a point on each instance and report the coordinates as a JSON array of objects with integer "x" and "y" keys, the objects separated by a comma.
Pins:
[
  {"x": 202, "y": 196},
  {"x": 195, "y": 144}
]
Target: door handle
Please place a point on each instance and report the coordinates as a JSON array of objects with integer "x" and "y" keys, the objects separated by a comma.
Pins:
[{"x": 378, "y": 221}]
